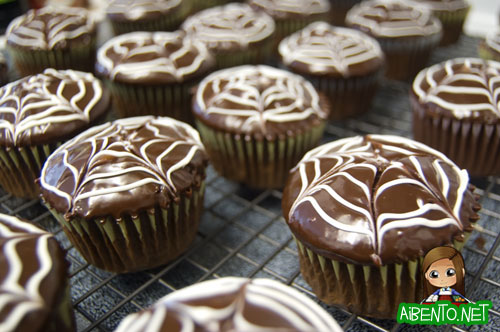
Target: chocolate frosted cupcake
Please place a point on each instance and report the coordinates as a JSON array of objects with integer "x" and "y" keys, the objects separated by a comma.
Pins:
[
  {"x": 233, "y": 304},
  {"x": 128, "y": 193},
  {"x": 456, "y": 111},
  {"x": 152, "y": 73},
  {"x": 292, "y": 15},
  {"x": 38, "y": 113},
  {"x": 344, "y": 64},
  {"x": 365, "y": 210},
  {"x": 406, "y": 33},
  {"x": 451, "y": 13},
  {"x": 34, "y": 287},
  {"x": 489, "y": 49},
  {"x": 204, "y": 4},
  {"x": 147, "y": 15},
  {"x": 52, "y": 37},
  {"x": 257, "y": 121},
  {"x": 234, "y": 33}
]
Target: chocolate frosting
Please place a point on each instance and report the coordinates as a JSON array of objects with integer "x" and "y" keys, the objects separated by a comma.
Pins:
[
  {"x": 123, "y": 167},
  {"x": 153, "y": 58},
  {"x": 321, "y": 49},
  {"x": 138, "y": 10},
  {"x": 258, "y": 101},
  {"x": 230, "y": 305},
  {"x": 52, "y": 28},
  {"x": 377, "y": 200},
  {"x": 49, "y": 107},
  {"x": 283, "y": 9},
  {"x": 461, "y": 88},
  {"x": 231, "y": 27},
  {"x": 32, "y": 272},
  {"x": 392, "y": 19}
]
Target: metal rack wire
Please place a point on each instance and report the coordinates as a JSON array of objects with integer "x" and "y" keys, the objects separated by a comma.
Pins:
[{"x": 242, "y": 233}]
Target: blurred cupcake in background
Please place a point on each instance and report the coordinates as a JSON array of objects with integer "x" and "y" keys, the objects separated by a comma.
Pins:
[
  {"x": 339, "y": 9},
  {"x": 4, "y": 70},
  {"x": 346, "y": 65},
  {"x": 147, "y": 15},
  {"x": 489, "y": 49},
  {"x": 406, "y": 33},
  {"x": 292, "y": 15},
  {"x": 204, "y": 4},
  {"x": 234, "y": 33},
  {"x": 52, "y": 37}
]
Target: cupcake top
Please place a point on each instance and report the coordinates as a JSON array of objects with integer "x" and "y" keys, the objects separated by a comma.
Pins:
[
  {"x": 138, "y": 10},
  {"x": 377, "y": 200},
  {"x": 153, "y": 58},
  {"x": 461, "y": 88},
  {"x": 51, "y": 28},
  {"x": 258, "y": 100},
  {"x": 231, "y": 27},
  {"x": 123, "y": 167},
  {"x": 392, "y": 19},
  {"x": 32, "y": 270},
  {"x": 49, "y": 107},
  {"x": 232, "y": 304},
  {"x": 443, "y": 5},
  {"x": 321, "y": 49},
  {"x": 283, "y": 9}
]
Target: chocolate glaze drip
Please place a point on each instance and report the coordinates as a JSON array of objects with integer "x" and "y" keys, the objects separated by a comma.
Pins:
[
  {"x": 230, "y": 305},
  {"x": 49, "y": 107},
  {"x": 377, "y": 200},
  {"x": 123, "y": 167}
]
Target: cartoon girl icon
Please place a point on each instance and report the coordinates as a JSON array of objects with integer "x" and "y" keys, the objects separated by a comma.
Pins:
[{"x": 444, "y": 274}]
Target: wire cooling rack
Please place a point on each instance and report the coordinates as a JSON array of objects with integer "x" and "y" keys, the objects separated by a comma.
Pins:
[{"x": 242, "y": 233}]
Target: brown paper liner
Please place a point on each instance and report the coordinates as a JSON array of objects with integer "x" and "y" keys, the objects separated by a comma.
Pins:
[
  {"x": 472, "y": 145},
  {"x": 257, "y": 53},
  {"x": 135, "y": 243},
  {"x": 285, "y": 27},
  {"x": 257, "y": 163},
  {"x": 20, "y": 167},
  {"x": 339, "y": 9},
  {"x": 453, "y": 23}
]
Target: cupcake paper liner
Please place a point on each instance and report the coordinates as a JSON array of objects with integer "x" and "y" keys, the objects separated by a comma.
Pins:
[
  {"x": 339, "y": 9},
  {"x": 165, "y": 22},
  {"x": 361, "y": 289},
  {"x": 29, "y": 62},
  {"x": 285, "y": 27},
  {"x": 254, "y": 54},
  {"x": 453, "y": 23},
  {"x": 20, "y": 167},
  {"x": 471, "y": 145},
  {"x": 132, "y": 243},
  {"x": 257, "y": 162},
  {"x": 204, "y": 4},
  {"x": 173, "y": 100}
]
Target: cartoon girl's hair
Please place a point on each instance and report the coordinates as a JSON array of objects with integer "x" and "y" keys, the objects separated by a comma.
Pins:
[{"x": 458, "y": 262}]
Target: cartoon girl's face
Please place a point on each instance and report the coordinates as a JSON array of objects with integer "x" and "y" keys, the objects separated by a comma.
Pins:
[{"x": 442, "y": 273}]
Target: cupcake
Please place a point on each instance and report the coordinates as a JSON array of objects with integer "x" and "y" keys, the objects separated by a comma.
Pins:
[
  {"x": 232, "y": 304},
  {"x": 257, "y": 121},
  {"x": 406, "y": 33},
  {"x": 455, "y": 110},
  {"x": 489, "y": 49},
  {"x": 365, "y": 210},
  {"x": 34, "y": 287},
  {"x": 451, "y": 13},
  {"x": 292, "y": 15},
  {"x": 344, "y": 64},
  {"x": 204, "y": 4},
  {"x": 234, "y": 33},
  {"x": 52, "y": 37},
  {"x": 4, "y": 79},
  {"x": 128, "y": 194},
  {"x": 339, "y": 9},
  {"x": 152, "y": 73},
  {"x": 38, "y": 113},
  {"x": 147, "y": 15}
]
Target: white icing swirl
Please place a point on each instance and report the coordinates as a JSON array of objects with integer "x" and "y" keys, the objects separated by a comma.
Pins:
[
  {"x": 302, "y": 7},
  {"x": 466, "y": 87},
  {"x": 192, "y": 308},
  {"x": 51, "y": 27},
  {"x": 258, "y": 95},
  {"x": 151, "y": 56},
  {"x": 34, "y": 104},
  {"x": 393, "y": 18},
  {"x": 135, "y": 10},
  {"x": 225, "y": 26},
  {"x": 120, "y": 159},
  {"x": 20, "y": 294},
  {"x": 324, "y": 48}
]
